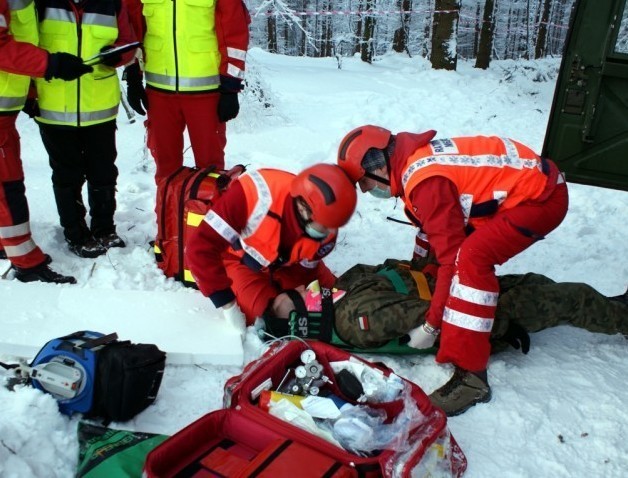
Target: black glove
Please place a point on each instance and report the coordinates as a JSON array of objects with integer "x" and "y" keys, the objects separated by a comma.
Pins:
[
  {"x": 65, "y": 66},
  {"x": 111, "y": 60},
  {"x": 31, "y": 107},
  {"x": 135, "y": 92},
  {"x": 228, "y": 106},
  {"x": 517, "y": 336}
]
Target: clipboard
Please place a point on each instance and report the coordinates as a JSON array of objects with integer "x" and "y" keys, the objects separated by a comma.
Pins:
[{"x": 118, "y": 50}]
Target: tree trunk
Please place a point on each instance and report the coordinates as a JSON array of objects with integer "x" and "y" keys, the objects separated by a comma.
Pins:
[
  {"x": 271, "y": 25},
  {"x": 541, "y": 40},
  {"x": 485, "y": 47},
  {"x": 366, "y": 45},
  {"x": 476, "y": 32},
  {"x": 444, "y": 32},
  {"x": 400, "y": 40}
]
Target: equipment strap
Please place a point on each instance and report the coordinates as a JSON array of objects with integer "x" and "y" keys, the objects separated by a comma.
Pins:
[
  {"x": 395, "y": 279},
  {"x": 421, "y": 285}
]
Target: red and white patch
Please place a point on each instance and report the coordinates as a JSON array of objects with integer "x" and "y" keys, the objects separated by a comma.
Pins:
[{"x": 363, "y": 322}]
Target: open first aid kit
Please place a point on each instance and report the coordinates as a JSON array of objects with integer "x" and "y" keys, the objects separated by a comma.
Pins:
[{"x": 310, "y": 410}]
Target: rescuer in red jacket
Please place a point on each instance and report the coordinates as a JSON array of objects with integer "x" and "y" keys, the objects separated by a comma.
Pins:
[
  {"x": 478, "y": 201},
  {"x": 194, "y": 59},
  {"x": 20, "y": 59},
  {"x": 268, "y": 233}
]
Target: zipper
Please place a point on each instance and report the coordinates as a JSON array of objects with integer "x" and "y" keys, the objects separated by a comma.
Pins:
[
  {"x": 79, "y": 34},
  {"x": 174, "y": 43}
]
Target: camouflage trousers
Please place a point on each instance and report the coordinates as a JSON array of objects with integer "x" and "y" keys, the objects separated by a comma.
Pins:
[{"x": 375, "y": 311}]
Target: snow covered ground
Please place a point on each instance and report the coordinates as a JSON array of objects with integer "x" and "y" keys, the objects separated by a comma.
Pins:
[{"x": 560, "y": 411}]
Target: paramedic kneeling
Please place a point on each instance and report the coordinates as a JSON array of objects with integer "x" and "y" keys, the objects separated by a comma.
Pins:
[{"x": 267, "y": 233}]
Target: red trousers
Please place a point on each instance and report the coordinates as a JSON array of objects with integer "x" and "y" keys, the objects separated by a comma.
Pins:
[
  {"x": 15, "y": 231},
  {"x": 168, "y": 117},
  {"x": 255, "y": 290},
  {"x": 470, "y": 308}
]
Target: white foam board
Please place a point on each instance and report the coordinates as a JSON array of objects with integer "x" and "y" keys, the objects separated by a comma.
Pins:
[{"x": 184, "y": 324}]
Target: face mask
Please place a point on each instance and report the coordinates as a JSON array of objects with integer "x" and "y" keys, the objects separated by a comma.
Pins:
[
  {"x": 381, "y": 193},
  {"x": 315, "y": 233}
]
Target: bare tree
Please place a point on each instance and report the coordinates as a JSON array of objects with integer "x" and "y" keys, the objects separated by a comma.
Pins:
[
  {"x": 366, "y": 44},
  {"x": 446, "y": 15},
  {"x": 485, "y": 47},
  {"x": 400, "y": 39},
  {"x": 541, "y": 40}
]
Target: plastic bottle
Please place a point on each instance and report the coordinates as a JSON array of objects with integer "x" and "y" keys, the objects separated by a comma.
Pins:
[{"x": 268, "y": 396}]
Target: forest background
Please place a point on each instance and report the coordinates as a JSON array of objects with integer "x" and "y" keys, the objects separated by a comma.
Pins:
[{"x": 440, "y": 30}]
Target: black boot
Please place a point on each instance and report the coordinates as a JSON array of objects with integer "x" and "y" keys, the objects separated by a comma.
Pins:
[
  {"x": 102, "y": 206},
  {"x": 42, "y": 273},
  {"x": 3, "y": 255},
  {"x": 72, "y": 215}
]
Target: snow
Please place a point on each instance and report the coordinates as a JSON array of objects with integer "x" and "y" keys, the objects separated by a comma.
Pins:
[{"x": 559, "y": 411}]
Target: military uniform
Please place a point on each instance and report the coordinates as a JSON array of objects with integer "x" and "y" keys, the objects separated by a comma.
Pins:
[{"x": 383, "y": 303}]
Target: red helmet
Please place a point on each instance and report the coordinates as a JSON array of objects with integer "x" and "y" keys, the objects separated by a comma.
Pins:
[
  {"x": 328, "y": 192},
  {"x": 356, "y": 143}
]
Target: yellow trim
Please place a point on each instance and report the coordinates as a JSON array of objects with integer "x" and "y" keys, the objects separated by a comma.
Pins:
[
  {"x": 187, "y": 276},
  {"x": 157, "y": 249},
  {"x": 194, "y": 219},
  {"x": 421, "y": 285}
]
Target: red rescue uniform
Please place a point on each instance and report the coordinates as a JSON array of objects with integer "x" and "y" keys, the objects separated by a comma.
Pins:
[
  {"x": 479, "y": 201},
  {"x": 250, "y": 246},
  {"x": 24, "y": 59}
]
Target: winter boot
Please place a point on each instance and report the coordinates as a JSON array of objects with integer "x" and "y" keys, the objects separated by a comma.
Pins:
[
  {"x": 42, "y": 273},
  {"x": 3, "y": 255},
  {"x": 88, "y": 247},
  {"x": 102, "y": 206},
  {"x": 463, "y": 390}
]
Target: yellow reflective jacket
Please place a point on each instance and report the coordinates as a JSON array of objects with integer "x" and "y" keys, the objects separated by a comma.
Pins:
[
  {"x": 23, "y": 28},
  {"x": 94, "y": 97}
]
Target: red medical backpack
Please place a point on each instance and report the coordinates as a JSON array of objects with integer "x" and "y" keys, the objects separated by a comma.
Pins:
[{"x": 183, "y": 199}]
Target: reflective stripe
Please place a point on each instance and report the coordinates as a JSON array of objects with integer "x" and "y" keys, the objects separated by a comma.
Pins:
[
  {"x": 21, "y": 249},
  {"x": 194, "y": 219},
  {"x": 187, "y": 276},
  {"x": 262, "y": 206},
  {"x": 219, "y": 225},
  {"x": 309, "y": 264},
  {"x": 511, "y": 149},
  {"x": 479, "y": 161},
  {"x": 236, "y": 53},
  {"x": 470, "y": 294},
  {"x": 59, "y": 14},
  {"x": 3, "y": 21},
  {"x": 84, "y": 117},
  {"x": 255, "y": 255},
  {"x": 7, "y": 232},
  {"x": 466, "y": 321},
  {"x": 183, "y": 82},
  {"x": 235, "y": 71},
  {"x": 560, "y": 179},
  {"x": 19, "y": 4},
  {"x": 9, "y": 102},
  {"x": 420, "y": 251},
  {"x": 99, "y": 19},
  {"x": 466, "y": 201},
  {"x": 421, "y": 235}
]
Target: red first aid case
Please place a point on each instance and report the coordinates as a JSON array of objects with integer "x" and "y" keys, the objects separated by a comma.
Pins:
[{"x": 242, "y": 440}]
